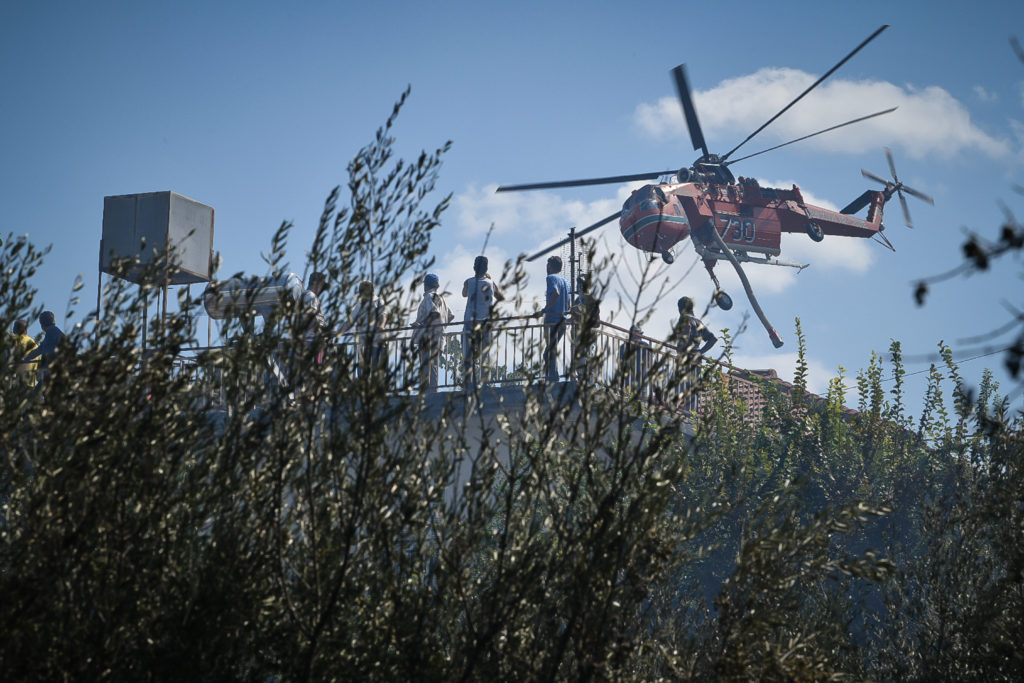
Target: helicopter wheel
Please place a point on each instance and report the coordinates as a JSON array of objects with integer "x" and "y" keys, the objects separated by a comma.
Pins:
[
  {"x": 723, "y": 300},
  {"x": 815, "y": 232},
  {"x": 668, "y": 257}
]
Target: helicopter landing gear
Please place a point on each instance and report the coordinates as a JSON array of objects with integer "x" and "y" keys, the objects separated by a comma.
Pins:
[
  {"x": 815, "y": 232},
  {"x": 721, "y": 299},
  {"x": 668, "y": 257}
]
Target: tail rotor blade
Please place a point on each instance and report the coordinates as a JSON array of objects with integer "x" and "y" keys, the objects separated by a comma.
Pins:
[
  {"x": 578, "y": 234},
  {"x": 920, "y": 195},
  {"x": 872, "y": 176},
  {"x": 894, "y": 186},
  {"x": 892, "y": 166},
  {"x": 906, "y": 211},
  {"x": 683, "y": 89}
]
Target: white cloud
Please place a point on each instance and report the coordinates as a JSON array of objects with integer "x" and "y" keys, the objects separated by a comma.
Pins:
[
  {"x": 985, "y": 95},
  {"x": 534, "y": 217},
  {"x": 928, "y": 122},
  {"x": 1018, "y": 131}
]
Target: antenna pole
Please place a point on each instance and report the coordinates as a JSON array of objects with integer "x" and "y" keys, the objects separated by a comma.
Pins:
[{"x": 572, "y": 261}]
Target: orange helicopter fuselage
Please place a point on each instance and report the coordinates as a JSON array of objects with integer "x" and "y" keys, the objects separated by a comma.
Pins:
[{"x": 748, "y": 217}]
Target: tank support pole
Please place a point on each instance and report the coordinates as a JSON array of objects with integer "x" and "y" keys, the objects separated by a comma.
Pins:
[
  {"x": 99, "y": 281},
  {"x": 145, "y": 321},
  {"x": 572, "y": 261}
]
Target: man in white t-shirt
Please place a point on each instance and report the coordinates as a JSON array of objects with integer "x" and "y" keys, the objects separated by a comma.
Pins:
[
  {"x": 428, "y": 330},
  {"x": 481, "y": 294}
]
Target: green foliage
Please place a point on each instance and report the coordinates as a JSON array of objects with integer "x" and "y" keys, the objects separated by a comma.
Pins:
[{"x": 214, "y": 521}]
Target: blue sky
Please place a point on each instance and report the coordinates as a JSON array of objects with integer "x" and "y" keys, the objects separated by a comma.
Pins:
[{"x": 256, "y": 108}]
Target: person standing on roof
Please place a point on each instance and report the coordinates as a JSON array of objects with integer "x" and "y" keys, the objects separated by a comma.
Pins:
[
  {"x": 693, "y": 340},
  {"x": 428, "y": 330},
  {"x": 314, "y": 314},
  {"x": 556, "y": 305},
  {"x": 635, "y": 357},
  {"x": 586, "y": 318},
  {"x": 23, "y": 344},
  {"x": 367, "y": 323},
  {"x": 47, "y": 349},
  {"x": 481, "y": 294}
]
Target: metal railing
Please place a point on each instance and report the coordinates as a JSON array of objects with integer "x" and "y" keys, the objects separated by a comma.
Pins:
[{"x": 505, "y": 351}]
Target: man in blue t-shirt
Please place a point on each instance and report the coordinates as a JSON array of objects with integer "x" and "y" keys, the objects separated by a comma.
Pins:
[
  {"x": 555, "y": 307},
  {"x": 47, "y": 349}
]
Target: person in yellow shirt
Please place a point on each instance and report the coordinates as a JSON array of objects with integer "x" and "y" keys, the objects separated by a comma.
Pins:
[{"x": 23, "y": 345}]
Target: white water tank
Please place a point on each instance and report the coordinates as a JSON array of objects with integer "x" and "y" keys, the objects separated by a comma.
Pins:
[{"x": 160, "y": 220}]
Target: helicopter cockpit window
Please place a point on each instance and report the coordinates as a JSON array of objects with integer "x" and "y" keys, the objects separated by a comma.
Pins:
[{"x": 648, "y": 198}]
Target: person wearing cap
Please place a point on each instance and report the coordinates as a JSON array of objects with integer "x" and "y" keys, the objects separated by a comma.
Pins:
[
  {"x": 556, "y": 305},
  {"x": 481, "y": 294},
  {"x": 693, "y": 339},
  {"x": 428, "y": 329},
  {"x": 635, "y": 356}
]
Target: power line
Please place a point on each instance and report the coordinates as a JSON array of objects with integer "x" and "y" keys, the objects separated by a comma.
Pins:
[{"x": 932, "y": 358}]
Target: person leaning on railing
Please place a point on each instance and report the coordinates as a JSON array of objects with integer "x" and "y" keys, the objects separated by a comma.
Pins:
[
  {"x": 693, "y": 339},
  {"x": 635, "y": 356}
]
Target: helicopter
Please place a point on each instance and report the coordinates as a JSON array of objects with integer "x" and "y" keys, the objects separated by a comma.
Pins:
[{"x": 735, "y": 219}]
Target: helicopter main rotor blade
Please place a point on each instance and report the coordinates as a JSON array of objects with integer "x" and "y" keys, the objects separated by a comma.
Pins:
[
  {"x": 812, "y": 87},
  {"x": 578, "y": 234},
  {"x": 587, "y": 181},
  {"x": 683, "y": 90},
  {"x": 862, "y": 118}
]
